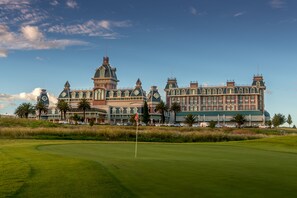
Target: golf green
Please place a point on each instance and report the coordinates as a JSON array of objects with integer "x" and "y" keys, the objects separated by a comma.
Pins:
[{"x": 261, "y": 168}]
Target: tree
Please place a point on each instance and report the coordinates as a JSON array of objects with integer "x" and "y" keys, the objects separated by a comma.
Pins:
[
  {"x": 132, "y": 119},
  {"x": 84, "y": 105},
  {"x": 239, "y": 119},
  {"x": 24, "y": 109},
  {"x": 212, "y": 124},
  {"x": 76, "y": 118},
  {"x": 278, "y": 119},
  {"x": 40, "y": 107},
  {"x": 289, "y": 120},
  {"x": 294, "y": 126},
  {"x": 162, "y": 108},
  {"x": 269, "y": 123},
  {"x": 146, "y": 115},
  {"x": 175, "y": 107},
  {"x": 63, "y": 107},
  {"x": 190, "y": 119}
]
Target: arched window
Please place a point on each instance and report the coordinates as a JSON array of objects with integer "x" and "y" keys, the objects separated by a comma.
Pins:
[
  {"x": 220, "y": 91},
  {"x": 240, "y": 90},
  {"x": 119, "y": 94},
  {"x": 183, "y": 92},
  {"x": 127, "y": 93},
  {"x": 208, "y": 91},
  {"x": 214, "y": 91},
  {"x": 111, "y": 94},
  {"x": 246, "y": 90},
  {"x": 203, "y": 92}
]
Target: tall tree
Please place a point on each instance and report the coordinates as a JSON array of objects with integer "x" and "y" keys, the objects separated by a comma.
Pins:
[
  {"x": 239, "y": 119},
  {"x": 63, "y": 107},
  {"x": 24, "y": 109},
  {"x": 145, "y": 115},
  {"x": 175, "y": 107},
  {"x": 289, "y": 120},
  {"x": 278, "y": 119},
  {"x": 40, "y": 107},
  {"x": 84, "y": 105},
  {"x": 162, "y": 108},
  {"x": 190, "y": 119}
]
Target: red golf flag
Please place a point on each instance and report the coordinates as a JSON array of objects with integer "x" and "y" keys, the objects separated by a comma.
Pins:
[{"x": 136, "y": 117}]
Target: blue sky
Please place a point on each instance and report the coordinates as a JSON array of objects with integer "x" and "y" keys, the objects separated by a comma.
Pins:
[{"x": 43, "y": 43}]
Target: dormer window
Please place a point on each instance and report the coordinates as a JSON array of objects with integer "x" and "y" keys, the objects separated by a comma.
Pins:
[
  {"x": 209, "y": 92},
  {"x": 220, "y": 91},
  {"x": 126, "y": 93},
  {"x": 111, "y": 94},
  {"x": 203, "y": 91},
  {"x": 119, "y": 93},
  {"x": 183, "y": 92}
]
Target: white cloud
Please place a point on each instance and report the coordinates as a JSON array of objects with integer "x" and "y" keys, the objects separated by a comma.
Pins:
[
  {"x": 103, "y": 28},
  {"x": 39, "y": 58},
  {"x": 2, "y": 106},
  {"x": 238, "y": 14},
  {"x": 3, "y": 53},
  {"x": 32, "y": 33},
  {"x": 277, "y": 3},
  {"x": 193, "y": 10},
  {"x": 54, "y": 2},
  {"x": 30, "y": 38},
  {"x": 31, "y": 97},
  {"x": 71, "y": 4}
]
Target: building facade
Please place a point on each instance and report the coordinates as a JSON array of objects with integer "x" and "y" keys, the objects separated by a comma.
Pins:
[
  {"x": 108, "y": 103},
  {"x": 219, "y": 103}
]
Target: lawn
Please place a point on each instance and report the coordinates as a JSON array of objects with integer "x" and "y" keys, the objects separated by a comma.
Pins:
[{"x": 52, "y": 168}]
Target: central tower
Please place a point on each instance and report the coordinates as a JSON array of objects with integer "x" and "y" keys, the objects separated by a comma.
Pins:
[
  {"x": 105, "y": 76},
  {"x": 104, "y": 79}
]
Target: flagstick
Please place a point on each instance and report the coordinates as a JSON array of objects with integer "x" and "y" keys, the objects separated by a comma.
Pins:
[{"x": 136, "y": 140}]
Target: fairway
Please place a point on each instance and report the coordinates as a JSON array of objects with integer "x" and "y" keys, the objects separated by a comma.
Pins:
[{"x": 258, "y": 168}]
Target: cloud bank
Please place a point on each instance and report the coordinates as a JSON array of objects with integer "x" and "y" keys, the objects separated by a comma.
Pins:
[
  {"x": 7, "y": 100},
  {"x": 28, "y": 38}
]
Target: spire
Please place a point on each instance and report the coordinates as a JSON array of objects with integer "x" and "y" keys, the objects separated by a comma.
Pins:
[
  {"x": 138, "y": 83},
  {"x": 67, "y": 85},
  {"x": 105, "y": 60}
]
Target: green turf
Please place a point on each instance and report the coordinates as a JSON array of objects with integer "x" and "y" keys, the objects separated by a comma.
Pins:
[{"x": 259, "y": 168}]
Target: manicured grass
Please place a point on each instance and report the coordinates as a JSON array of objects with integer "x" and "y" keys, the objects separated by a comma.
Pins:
[{"x": 258, "y": 168}]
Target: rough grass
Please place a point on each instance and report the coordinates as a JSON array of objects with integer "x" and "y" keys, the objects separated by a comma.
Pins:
[
  {"x": 47, "y": 168},
  {"x": 32, "y": 129}
]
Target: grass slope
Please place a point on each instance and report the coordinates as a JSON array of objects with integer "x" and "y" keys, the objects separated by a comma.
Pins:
[{"x": 258, "y": 168}]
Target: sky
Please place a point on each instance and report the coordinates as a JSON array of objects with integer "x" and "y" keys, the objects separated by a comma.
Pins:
[{"x": 44, "y": 43}]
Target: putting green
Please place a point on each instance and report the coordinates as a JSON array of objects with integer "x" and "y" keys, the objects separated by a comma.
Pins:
[{"x": 262, "y": 168}]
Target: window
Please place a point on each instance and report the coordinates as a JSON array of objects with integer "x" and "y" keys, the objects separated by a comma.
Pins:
[
  {"x": 253, "y": 90},
  {"x": 246, "y": 90},
  {"x": 172, "y": 92},
  {"x": 183, "y": 92},
  {"x": 126, "y": 93},
  {"x": 214, "y": 91},
  {"x": 111, "y": 94},
  {"x": 119, "y": 94},
  {"x": 230, "y": 91},
  {"x": 209, "y": 92},
  {"x": 203, "y": 91},
  {"x": 240, "y": 90},
  {"x": 220, "y": 91}
]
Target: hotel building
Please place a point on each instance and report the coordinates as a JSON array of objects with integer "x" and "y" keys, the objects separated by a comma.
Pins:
[
  {"x": 219, "y": 103},
  {"x": 108, "y": 103}
]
